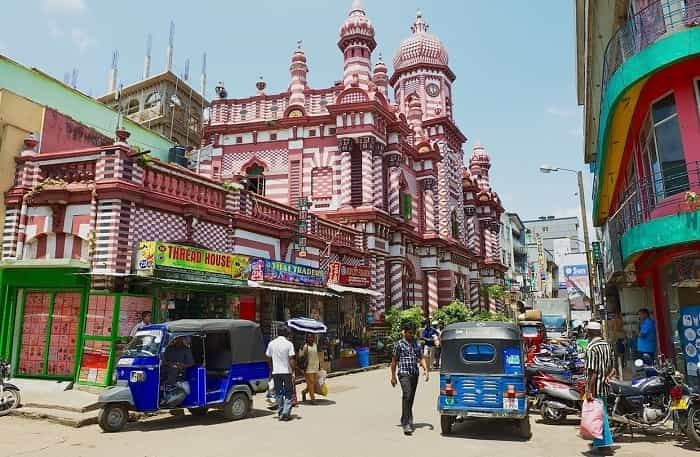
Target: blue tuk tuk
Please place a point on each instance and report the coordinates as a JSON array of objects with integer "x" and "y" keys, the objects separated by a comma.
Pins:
[
  {"x": 222, "y": 365},
  {"x": 481, "y": 374}
]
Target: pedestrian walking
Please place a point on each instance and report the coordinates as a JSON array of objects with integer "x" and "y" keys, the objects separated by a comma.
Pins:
[
  {"x": 438, "y": 344},
  {"x": 404, "y": 363},
  {"x": 429, "y": 336},
  {"x": 280, "y": 356},
  {"x": 309, "y": 353},
  {"x": 646, "y": 340},
  {"x": 599, "y": 370}
]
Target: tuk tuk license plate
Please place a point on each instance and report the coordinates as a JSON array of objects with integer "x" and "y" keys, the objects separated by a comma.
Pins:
[
  {"x": 510, "y": 403},
  {"x": 680, "y": 404}
]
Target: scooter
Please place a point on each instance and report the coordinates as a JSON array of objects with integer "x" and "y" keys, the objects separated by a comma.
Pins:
[
  {"x": 558, "y": 398},
  {"x": 9, "y": 393}
]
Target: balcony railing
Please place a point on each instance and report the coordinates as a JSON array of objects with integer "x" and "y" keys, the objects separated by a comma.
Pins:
[
  {"x": 646, "y": 27},
  {"x": 661, "y": 194}
]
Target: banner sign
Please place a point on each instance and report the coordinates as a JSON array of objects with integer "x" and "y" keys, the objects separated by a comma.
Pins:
[
  {"x": 287, "y": 273},
  {"x": 154, "y": 254},
  {"x": 347, "y": 275}
]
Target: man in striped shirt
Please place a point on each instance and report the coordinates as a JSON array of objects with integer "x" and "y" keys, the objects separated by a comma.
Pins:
[{"x": 599, "y": 369}]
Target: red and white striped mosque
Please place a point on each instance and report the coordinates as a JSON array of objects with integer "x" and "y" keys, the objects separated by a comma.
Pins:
[{"x": 393, "y": 170}]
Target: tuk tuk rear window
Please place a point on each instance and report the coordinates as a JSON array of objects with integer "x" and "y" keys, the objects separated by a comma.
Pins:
[
  {"x": 478, "y": 352},
  {"x": 529, "y": 330}
]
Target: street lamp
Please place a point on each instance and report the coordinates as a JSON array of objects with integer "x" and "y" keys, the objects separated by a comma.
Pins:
[{"x": 584, "y": 220}]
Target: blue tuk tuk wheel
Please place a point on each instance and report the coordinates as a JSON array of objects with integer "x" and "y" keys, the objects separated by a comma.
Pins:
[
  {"x": 446, "y": 423},
  {"x": 238, "y": 407},
  {"x": 113, "y": 418}
]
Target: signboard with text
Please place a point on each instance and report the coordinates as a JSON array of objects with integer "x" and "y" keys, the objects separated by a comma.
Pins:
[
  {"x": 154, "y": 254},
  {"x": 347, "y": 275},
  {"x": 286, "y": 273}
]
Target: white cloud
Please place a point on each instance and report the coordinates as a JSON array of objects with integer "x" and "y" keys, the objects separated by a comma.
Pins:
[
  {"x": 63, "y": 6},
  {"x": 558, "y": 111},
  {"x": 81, "y": 39}
]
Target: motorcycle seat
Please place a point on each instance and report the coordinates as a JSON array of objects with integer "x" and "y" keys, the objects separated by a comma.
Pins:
[{"x": 624, "y": 388}]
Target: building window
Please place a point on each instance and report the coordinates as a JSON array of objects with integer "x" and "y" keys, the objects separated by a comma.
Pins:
[
  {"x": 664, "y": 161},
  {"x": 356, "y": 177},
  {"x": 331, "y": 130},
  {"x": 152, "y": 101},
  {"x": 545, "y": 229},
  {"x": 312, "y": 132},
  {"x": 455, "y": 225},
  {"x": 255, "y": 180},
  {"x": 322, "y": 183},
  {"x": 239, "y": 139},
  {"x": 273, "y": 137},
  {"x": 406, "y": 205}
]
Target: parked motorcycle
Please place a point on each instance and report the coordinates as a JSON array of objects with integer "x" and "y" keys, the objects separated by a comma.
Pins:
[
  {"x": 559, "y": 397},
  {"x": 685, "y": 406},
  {"x": 647, "y": 402},
  {"x": 9, "y": 393}
]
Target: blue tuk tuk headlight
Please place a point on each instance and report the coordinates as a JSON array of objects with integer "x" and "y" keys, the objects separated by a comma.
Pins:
[{"x": 137, "y": 376}]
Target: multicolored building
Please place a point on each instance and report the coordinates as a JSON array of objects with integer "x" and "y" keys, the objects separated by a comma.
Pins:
[
  {"x": 332, "y": 203},
  {"x": 639, "y": 81},
  {"x": 394, "y": 171}
]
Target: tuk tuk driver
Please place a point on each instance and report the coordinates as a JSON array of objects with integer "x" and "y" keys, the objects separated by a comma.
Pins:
[{"x": 177, "y": 358}]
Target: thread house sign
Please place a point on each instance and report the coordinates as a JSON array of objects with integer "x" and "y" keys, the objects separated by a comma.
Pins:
[
  {"x": 286, "y": 273},
  {"x": 155, "y": 254},
  {"x": 347, "y": 275}
]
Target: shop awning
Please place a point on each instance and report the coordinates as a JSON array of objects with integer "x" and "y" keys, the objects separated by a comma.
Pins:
[
  {"x": 352, "y": 290},
  {"x": 195, "y": 283},
  {"x": 280, "y": 288}
]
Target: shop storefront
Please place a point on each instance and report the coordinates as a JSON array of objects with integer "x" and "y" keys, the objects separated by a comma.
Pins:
[
  {"x": 43, "y": 311},
  {"x": 681, "y": 289},
  {"x": 348, "y": 318},
  {"x": 192, "y": 283}
]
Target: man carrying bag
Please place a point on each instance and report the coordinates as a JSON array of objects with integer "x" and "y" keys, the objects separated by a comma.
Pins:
[{"x": 599, "y": 368}]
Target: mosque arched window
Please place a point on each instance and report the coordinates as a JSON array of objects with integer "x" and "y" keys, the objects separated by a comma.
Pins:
[{"x": 255, "y": 180}]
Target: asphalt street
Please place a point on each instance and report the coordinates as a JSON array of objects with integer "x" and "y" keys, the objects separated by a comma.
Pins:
[{"x": 360, "y": 418}]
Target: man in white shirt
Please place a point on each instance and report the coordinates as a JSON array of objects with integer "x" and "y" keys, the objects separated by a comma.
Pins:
[
  {"x": 146, "y": 319},
  {"x": 280, "y": 356}
]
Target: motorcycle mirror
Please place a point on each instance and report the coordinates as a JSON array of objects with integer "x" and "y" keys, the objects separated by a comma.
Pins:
[{"x": 639, "y": 363}]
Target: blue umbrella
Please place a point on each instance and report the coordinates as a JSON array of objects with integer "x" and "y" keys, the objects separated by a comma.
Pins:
[{"x": 304, "y": 324}]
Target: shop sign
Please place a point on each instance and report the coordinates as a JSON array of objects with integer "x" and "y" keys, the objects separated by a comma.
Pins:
[
  {"x": 154, "y": 254},
  {"x": 287, "y": 273},
  {"x": 347, "y": 275}
]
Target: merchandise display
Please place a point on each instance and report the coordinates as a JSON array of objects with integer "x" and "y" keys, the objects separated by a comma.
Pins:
[
  {"x": 94, "y": 364},
  {"x": 64, "y": 334},
  {"x": 34, "y": 327},
  {"x": 130, "y": 309},
  {"x": 99, "y": 315}
]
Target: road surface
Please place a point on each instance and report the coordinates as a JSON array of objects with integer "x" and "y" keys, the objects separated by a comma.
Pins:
[{"x": 360, "y": 418}]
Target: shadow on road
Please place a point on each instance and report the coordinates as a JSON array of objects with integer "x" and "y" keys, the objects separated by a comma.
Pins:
[
  {"x": 563, "y": 423},
  {"x": 213, "y": 417},
  {"x": 319, "y": 402},
  {"x": 485, "y": 429},
  {"x": 420, "y": 425}
]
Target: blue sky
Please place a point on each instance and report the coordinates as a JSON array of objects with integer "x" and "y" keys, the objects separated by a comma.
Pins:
[{"x": 514, "y": 61}]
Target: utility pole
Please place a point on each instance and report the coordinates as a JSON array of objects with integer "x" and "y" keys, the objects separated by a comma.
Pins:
[{"x": 589, "y": 259}]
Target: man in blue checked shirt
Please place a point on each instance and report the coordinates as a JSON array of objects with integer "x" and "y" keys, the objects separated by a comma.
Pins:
[{"x": 405, "y": 359}]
